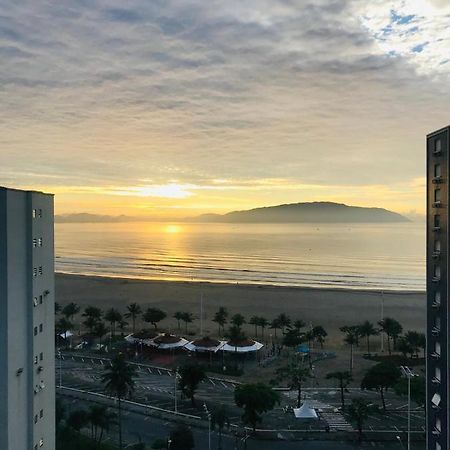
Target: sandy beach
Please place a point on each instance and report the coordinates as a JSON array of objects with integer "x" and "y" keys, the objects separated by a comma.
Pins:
[{"x": 330, "y": 308}]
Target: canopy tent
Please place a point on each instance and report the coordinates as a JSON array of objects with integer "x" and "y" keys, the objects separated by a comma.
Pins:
[
  {"x": 205, "y": 344},
  {"x": 66, "y": 334},
  {"x": 305, "y": 412},
  {"x": 169, "y": 341},
  {"x": 145, "y": 337},
  {"x": 244, "y": 346}
]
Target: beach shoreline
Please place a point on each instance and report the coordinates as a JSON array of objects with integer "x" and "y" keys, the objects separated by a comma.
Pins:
[{"x": 329, "y": 307}]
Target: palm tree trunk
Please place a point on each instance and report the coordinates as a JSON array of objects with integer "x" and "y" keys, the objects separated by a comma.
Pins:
[
  {"x": 134, "y": 323},
  {"x": 351, "y": 359},
  {"x": 382, "y": 399},
  {"x": 299, "y": 395},
  {"x": 341, "y": 387},
  {"x": 368, "y": 345},
  {"x": 389, "y": 344}
]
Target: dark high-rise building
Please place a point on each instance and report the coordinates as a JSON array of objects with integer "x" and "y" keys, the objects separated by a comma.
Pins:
[{"x": 437, "y": 290}]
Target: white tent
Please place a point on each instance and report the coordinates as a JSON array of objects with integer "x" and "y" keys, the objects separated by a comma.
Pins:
[
  {"x": 66, "y": 334},
  {"x": 166, "y": 342},
  {"x": 205, "y": 345},
  {"x": 305, "y": 412},
  {"x": 243, "y": 347},
  {"x": 142, "y": 338}
]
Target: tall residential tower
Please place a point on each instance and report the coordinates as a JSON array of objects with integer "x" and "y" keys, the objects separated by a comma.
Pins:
[
  {"x": 27, "y": 349},
  {"x": 437, "y": 290}
]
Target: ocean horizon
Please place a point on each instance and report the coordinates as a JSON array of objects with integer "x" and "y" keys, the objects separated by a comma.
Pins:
[{"x": 353, "y": 256}]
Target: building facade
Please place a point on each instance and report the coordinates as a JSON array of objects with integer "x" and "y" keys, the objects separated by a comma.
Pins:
[
  {"x": 437, "y": 290},
  {"x": 27, "y": 349}
]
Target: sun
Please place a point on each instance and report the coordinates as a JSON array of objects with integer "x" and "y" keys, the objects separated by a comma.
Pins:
[{"x": 173, "y": 229}]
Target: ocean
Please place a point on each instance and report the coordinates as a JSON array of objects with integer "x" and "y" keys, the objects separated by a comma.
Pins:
[{"x": 358, "y": 256}]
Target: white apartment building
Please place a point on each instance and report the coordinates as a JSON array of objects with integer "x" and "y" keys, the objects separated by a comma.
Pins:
[{"x": 27, "y": 300}]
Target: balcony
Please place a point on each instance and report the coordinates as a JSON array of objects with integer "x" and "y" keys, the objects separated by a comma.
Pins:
[
  {"x": 437, "y": 229},
  {"x": 436, "y": 380},
  {"x": 435, "y": 331},
  {"x": 436, "y": 432},
  {"x": 436, "y": 304},
  {"x": 436, "y": 279},
  {"x": 435, "y": 355},
  {"x": 437, "y": 180},
  {"x": 436, "y": 254},
  {"x": 437, "y": 152},
  {"x": 437, "y": 204}
]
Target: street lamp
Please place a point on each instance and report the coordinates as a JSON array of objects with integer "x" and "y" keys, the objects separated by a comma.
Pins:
[
  {"x": 209, "y": 425},
  {"x": 408, "y": 373},
  {"x": 399, "y": 440},
  {"x": 175, "y": 389},
  {"x": 60, "y": 368}
]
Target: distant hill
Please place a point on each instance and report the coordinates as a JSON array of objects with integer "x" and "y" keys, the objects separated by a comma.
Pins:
[
  {"x": 315, "y": 212},
  {"x": 92, "y": 218}
]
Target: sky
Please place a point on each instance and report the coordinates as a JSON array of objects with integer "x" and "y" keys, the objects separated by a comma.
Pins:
[{"x": 172, "y": 108}]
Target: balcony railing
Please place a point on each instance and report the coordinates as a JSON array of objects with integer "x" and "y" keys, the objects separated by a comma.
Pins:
[
  {"x": 436, "y": 229},
  {"x": 435, "y": 331},
  {"x": 436, "y": 254},
  {"x": 437, "y": 204},
  {"x": 435, "y": 355},
  {"x": 437, "y": 180},
  {"x": 436, "y": 380},
  {"x": 436, "y": 304},
  {"x": 436, "y": 432},
  {"x": 436, "y": 279}
]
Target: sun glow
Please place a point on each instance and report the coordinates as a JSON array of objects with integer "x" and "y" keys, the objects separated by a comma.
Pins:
[{"x": 173, "y": 229}]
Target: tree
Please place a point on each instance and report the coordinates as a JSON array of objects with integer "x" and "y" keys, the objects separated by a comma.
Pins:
[
  {"x": 392, "y": 329},
  {"x": 235, "y": 335},
  {"x": 77, "y": 420},
  {"x": 187, "y": 318},
  {"x": 99, "y": 331},
  {"x": 254, "y": 320},
  {"x": 178, "y": 316},
  {"x": 343, "y": 378},
  {"x": 191, "y": 375},
  {"x": 319, "y": 334},
  {"x": 292, "y": 338},
  {"x": 275, "y": 325},
  {"x": 299, "y": 324},
  {"x": 354, "y": 330},
  {"x": 263, "y": 323},
  {"x": 57, "y": 308},
  {"x": 119, "y": 381},
  {"x": 101, "y": 419},
  {"x": 93, "y": 316},
  {"x": 284, "y": 321},
  {"x": 220, "y": 317},
  {"x": 134, "y": 310},
  {"x": 220, "y": 419},
  {"x": 154, "y": 316},
  {"x": 415, "y": 340},
  {"x": 122, "y": 325},
  {"x": 296, "y": 375},
  {"x": 255, "y": 399},
  {"x": 381, "y": 377},
  {"x": 404, "y": 347},
  {"x": 181, "y": 438},
  {"x": 113, "y": 316},
  {"x": 70, "y": 310},
  {"x": 358, "y": 412},
  {"x": 238, "y": 320},
  {"x": 418, "y": 390},
  {"x": 351, "y": 340},
  {"x": 366, "y": 329}
]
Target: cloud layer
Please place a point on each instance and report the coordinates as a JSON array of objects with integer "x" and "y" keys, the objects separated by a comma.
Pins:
[{"x": 312, "y": 92}]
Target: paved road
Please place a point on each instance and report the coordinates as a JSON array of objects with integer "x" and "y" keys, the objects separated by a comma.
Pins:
[{"x": 148, "y": 429}]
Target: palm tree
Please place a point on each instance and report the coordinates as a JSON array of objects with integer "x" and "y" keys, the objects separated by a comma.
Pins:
[
  {"x": 275, "y": 325},
  {"x": 70, "y": 310},
  {"x": 93, "y": 316},
  {"x": 254, "y": 320},
  {"x": 154, "y": 316},
  {"x": 284, "y": 321},
  {"x": 119, "y": 381},
  {"x": 220, "y": 317},
  {"x": 122, "y": 324},
  {"x": 263, "y": 323},
  {"x": 238, "y": 320},
  {"x": 319, "y": 334},
  {"x": 113, "y": 316},
  {"x": 101, "y": 419},
  {"x": 344, "y": 378},
  {"x": 99, "y": 331},
  {"x": 296, "y": 376},
  {"x": 299, "y": 324},
  {"x": 366, "y": 329},
  {"x": 187, "y": 317},
  {"x": 178, "y": 316},
  {"x": 221, "y": 419},
  {"x": 358, "y": 412},
  {"x": 134, "y": 310},
  {"x": 392, "y": 328},
  {"x": 351, "y": 339},
  {"x": 235, "y": 335}
]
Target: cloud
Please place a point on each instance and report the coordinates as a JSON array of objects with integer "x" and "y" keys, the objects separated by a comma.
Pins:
[{"x": 335, "y": 93}]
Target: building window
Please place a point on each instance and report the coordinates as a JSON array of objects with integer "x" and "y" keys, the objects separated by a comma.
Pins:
[
  {"x": 437, "y": 373},
  {"x": 437, "y": 170},
  {"x": 438, "y": 446},
  {"x": 437, "y": 220},
  {"x": 436, "y": 400},
  {"x": 36, "y": 359},
  {"x": 40, "y": 270},
  {"x": 35, "y": 272},
  {"x": 437, "y": 348},
  {"x": 437, "y": 195},
  {"x": 437, "y": 323},
  {"x": 35, "y": 418},
  {"x": 34, "y": 213},
  {"x": 437, "y": 272},
  {"x": 41, "y": 413},
  {"x": 35, "y": 301},
  {"x": 40, "y": 242},
  {"x": 41, "y": 442},
  {"x": 437, "y": 246},
  {"x": 36, "y": 447},
  {"x": 39, "y": 212},
  {"x": 35, "y": 331},
  {"x": 34, "y": 242},
  {"x": 41, "y": 356},
  {"x": 41, "y": 298},
  {"x": 437, "y": 145},
  {"x": 41, "y": 328}
]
